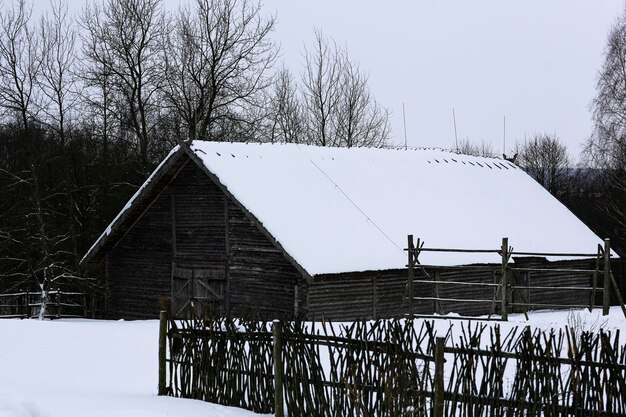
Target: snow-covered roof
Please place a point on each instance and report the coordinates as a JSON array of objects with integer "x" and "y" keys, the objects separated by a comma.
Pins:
[{"x": 339, "y": 210}]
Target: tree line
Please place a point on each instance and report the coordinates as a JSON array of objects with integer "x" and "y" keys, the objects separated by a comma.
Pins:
[{"x": 90, "y": 103}]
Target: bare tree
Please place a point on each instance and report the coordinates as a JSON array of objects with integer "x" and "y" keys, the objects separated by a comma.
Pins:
[
  {"x": 98, "y": 96},
  {"x": 217, "y": 60},
  {"x": 606, "y": 149},
  {"x": 19, "y": 61},
  {"x": 339, "y": 106},
  {"x": 122, "y": 44},
  {"x": 467, "y": 147},
  {"x": 360, "y": 120},
  {"x": 58, "y": 75},
  {"x": 321, "y": 81},
  {"x": 33, "y": 247},
  {"x": 544, "y": 157},
  {"x": 286, "y": 116}
]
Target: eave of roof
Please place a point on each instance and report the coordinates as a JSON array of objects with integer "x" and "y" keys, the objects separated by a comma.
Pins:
[{"x": 133, "y": 207}]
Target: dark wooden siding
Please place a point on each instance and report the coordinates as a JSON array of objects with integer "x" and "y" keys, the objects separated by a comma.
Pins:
[
  {"x": 380, "y": 294},
  {"x": 207, "y": 230},
  {"x": 262, "y": 281},
  {"x": 138, "y": 268},
  {"x": 557, "y": 297},
  {"x": 489, "y": 275},
  {"x": 200, "y": 217},
  {"x": 363, "y": 295},
  {"x": 211, "y": 230}
]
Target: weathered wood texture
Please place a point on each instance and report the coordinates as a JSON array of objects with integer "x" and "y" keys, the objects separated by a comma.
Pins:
[
  {"x": 262, "y": 281},
  {"x": 381, "y": 294},
  {"x": 192, "y": 222},
  {"x": 387, "y": 368},
  {"x": 363, "y": 295},
  {"x": 199, "y": 217},
  {"x": 556, "y": 297},
  {"x": 138, "y": 268},
  {"x": 464, "y": 292}
]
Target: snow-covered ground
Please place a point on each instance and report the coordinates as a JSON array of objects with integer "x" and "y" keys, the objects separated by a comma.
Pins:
[{"x": 89, "y": 368}]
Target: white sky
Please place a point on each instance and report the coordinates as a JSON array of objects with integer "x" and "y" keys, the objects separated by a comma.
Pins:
[{"x": 533, "y": 61}]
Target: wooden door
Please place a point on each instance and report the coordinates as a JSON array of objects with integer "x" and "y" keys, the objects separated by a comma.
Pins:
[{"x": 198, "y": 290}]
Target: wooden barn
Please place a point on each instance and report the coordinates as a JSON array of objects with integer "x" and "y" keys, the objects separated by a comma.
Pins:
[{"x": 273, "y": 230}]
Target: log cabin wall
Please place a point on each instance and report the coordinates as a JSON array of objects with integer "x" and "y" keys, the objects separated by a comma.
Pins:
[
  {"x": 363, "y": 295},
  {"x": 380, "y": 294},
  {"x": 199, "y": 220},
  {"x": 556, "y": 297},
  {"x": 193, "y": 224},
  {"x": 262, "y": 281},
  {"x": 138, "y": 268}
]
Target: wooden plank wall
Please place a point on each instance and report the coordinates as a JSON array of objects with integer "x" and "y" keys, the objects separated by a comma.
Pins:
[
  {"x": 362, "y": 295},
  {"x": 464, "y": 292},
  {"x": 210, "y": 228},
  {"x": 556, "y": 279},
  {"x": 380, "y": 294},
  {"x": 262, "y": 280},
  {"x": 200, "y": 218},
  {"x": 138, "y": 268}
]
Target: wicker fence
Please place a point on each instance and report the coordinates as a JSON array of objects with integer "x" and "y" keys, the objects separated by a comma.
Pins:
[{"x": 393, "y": 368}]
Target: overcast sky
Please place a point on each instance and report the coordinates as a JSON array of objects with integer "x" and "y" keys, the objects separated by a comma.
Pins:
[{"x": 533, "y": 61}]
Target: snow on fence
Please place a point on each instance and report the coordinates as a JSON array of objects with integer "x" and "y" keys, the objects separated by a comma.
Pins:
[
  {"x": 59, "y": 304},
  {"x": 393, "y": 368},
  {"x": 510, "y": 287}
]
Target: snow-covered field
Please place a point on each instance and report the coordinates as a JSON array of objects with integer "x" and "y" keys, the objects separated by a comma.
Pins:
[{"x": 89, "y": 368}]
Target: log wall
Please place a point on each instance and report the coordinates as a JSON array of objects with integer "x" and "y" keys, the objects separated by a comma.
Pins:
[
  {"x": 380, "y": 294},
  {"x": 262, "y": 281},
  {"x": 192, "y": 222},
  {"x": 138, "y": 268},
  {"x": 363, "y": 295}
]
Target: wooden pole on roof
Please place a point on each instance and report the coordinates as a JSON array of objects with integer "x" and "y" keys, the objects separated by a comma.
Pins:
[{"x": 606, "y": 294}]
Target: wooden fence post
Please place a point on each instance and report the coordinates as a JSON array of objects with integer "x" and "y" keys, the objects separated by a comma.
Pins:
[
  {"x": 27, "y": 304},
  {"x": 503, "y": 279},
  {"x": 439, "y": 392},
  {"x": 606, "y": 294},
  {"x": 162, "y": 351},
  {"x": 409, "y": 284},
  {"x": 618, "y": 294},
  {"x": 279, "y": 375}
]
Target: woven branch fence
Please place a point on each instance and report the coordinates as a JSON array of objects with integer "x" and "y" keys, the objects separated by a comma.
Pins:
[{"x": 393, "y": 368}]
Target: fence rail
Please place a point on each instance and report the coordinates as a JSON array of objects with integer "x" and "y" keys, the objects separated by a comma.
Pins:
[
  {"x": 59, "y": 304},
  {"x": 512, "y": 286},
  {"x": 393, "y": 368}
]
